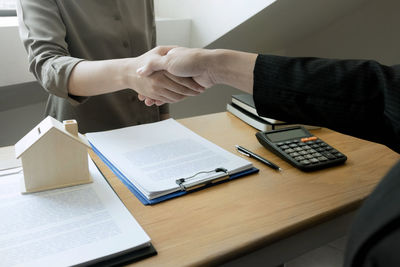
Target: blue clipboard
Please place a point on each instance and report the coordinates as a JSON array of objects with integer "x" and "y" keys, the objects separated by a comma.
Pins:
[{"x": 144, "y": 199}]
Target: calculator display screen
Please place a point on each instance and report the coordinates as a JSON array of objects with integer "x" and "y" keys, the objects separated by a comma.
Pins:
[{"x": 286, "y": 135}]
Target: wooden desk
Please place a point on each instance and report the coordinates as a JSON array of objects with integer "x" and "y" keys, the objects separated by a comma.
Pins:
[
  {"x": 232, "y": 219},
  {"x": 227, "y": 221}
]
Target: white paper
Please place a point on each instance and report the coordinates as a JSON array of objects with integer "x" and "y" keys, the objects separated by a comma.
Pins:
[
  {"x": 64, "y": 227},
  {"x": 153, "y": 156},
  {"x": 8, "y": 160}
]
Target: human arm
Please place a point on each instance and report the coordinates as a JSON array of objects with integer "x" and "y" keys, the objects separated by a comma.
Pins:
[
  {"x": 356, "y": 97},
  {"x": 206, "y": 67},
  {"x": 98, "y": 77},
  {"x": 56, "y": 53}
]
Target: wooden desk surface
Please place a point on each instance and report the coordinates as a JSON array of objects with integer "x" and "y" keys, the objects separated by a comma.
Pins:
[
  {"x": 234, "y": 218},
  {"x": 229, "y": 220}
]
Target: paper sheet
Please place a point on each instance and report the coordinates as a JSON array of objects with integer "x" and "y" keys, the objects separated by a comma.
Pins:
[
  {"x": 8, "y": 160},
  {"x": 153, "y": 156},
  {"x": 66, "y": 226}
]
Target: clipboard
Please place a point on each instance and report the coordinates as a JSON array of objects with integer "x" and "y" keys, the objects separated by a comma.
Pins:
[{"x": 184, "y": 189}]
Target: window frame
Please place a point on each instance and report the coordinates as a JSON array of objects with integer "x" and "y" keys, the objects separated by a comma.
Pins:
[
  {"x": 8, "y": 8},
  {"x": 8, "y": 12}
]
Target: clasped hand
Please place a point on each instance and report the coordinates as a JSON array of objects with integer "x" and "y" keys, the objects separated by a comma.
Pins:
[{"x": 183, "y": 67}]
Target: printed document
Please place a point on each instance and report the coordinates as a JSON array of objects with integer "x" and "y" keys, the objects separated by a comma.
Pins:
[
  {"x": 153, "y": 156},
  {"x": 64, "y": 227}
]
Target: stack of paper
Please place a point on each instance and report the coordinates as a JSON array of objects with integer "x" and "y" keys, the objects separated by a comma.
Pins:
[
  {"x": 151, "y": 158},
  {"x": 243, "y": 107},
  {"x": 83, "y": 224}
]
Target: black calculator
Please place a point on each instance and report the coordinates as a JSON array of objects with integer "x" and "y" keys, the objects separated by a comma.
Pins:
[{"x": 300, "y": 148}]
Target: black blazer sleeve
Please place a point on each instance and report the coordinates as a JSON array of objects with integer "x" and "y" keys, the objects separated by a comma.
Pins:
[{"x": 356, "y": 97}]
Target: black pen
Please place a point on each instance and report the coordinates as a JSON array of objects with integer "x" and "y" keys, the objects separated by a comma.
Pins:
[{"x": 250, "y": 154}]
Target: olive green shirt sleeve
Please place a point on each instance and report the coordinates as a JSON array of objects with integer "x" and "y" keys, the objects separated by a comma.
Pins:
[
  {"x": 58, "y": 34},
  {"x": 43, "y": 34}
]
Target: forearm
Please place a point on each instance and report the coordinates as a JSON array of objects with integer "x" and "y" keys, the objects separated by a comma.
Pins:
[
  {"x": 356, "y": 97},
  {"x": 232, "y": 68},
  {"x": 90, "y": 78}
]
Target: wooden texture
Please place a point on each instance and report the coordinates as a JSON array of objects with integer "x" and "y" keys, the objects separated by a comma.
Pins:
[
  {"x": 53, "y": 156},
  {"x": 220, "y": 223},
  {"x": 55, "y": 161},
  {"x": 225, "y": 221}
]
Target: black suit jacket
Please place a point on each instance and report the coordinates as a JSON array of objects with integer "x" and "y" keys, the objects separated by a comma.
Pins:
[{"x": 356, "y": 97}]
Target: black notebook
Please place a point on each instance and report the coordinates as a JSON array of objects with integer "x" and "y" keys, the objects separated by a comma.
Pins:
[
  {"x": 243, "y": 107},
  {"x": 246, "y": 102}
]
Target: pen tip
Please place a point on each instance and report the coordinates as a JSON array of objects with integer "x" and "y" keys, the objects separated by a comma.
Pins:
[{"x": 280, "y": 169}]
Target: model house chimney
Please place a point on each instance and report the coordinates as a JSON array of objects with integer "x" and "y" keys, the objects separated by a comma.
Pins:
[{"x": 71, "y": 126}]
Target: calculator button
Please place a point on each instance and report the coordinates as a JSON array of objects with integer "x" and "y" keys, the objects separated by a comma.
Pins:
[
  {"x": 308, "y": 156},
  {"x": 288, "y": 142},
  {"x": 284, "y": 147},
  {"x": 320, "y": 149},
  {"x": 289, "y": 150},
  {"x": 294, "y": 154},
  {"x": 307, "y": 139},
  {"x": 301, "y": 144},
  {"x": 316, "y": 155},
  {"x": 328, "y": 155},
  {"x": 293, "y": 145},
  {"x": 280, "y": 144},
  {"x": 306, "y": 147},
  {"x": 322, "y": 158},
  {"x": 299, "y": 158},
  {"x": 298, "y": 149},
  {"x": 305, "y": 162},
  {"x": 314, "y": 160},
  {"x": 315, "y": 146},
  {"x": 311, "y": 151},
  {"x": 339, "y": 155},
  {"x": 318, "y": 141},
  {"x": 303, "y": 152}
]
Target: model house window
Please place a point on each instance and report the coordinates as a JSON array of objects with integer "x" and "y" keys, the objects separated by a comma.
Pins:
[{"x": 7, "y": 7}]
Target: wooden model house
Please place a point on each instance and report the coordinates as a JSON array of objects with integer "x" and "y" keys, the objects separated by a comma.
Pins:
[{"x": 53, "y": 155}]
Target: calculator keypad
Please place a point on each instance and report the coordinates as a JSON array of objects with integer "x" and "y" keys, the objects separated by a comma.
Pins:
[{"x": 310, "y": 150}]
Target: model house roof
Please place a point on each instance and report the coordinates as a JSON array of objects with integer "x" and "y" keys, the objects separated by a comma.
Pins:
[{"x": 44, "y": 127}]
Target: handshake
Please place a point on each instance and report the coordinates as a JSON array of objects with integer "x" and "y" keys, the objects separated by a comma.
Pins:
[{"x": 180, "y": 72}]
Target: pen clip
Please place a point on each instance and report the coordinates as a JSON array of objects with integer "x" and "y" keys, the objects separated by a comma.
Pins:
[{"x": 241, "y": 152}]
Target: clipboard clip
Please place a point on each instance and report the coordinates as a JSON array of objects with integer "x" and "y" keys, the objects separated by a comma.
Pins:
[{"x": 221, "y": 174}]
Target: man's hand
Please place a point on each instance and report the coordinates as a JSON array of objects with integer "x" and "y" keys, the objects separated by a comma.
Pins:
[
  {"x": 179, "y": 62},
  {"x": 160, "y": 85},
  {"x": 182, "y": 62},
  {"x": 205, "y": 67},
  {"x": 89, "y": 78}
]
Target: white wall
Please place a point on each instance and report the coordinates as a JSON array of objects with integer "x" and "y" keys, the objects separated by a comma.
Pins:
[
  {"x": 358, "y": 29},
  {"x": 210, "y": 18},
  {"x": 171, "y": 31},
  {"x": 13, "y": 62}
]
